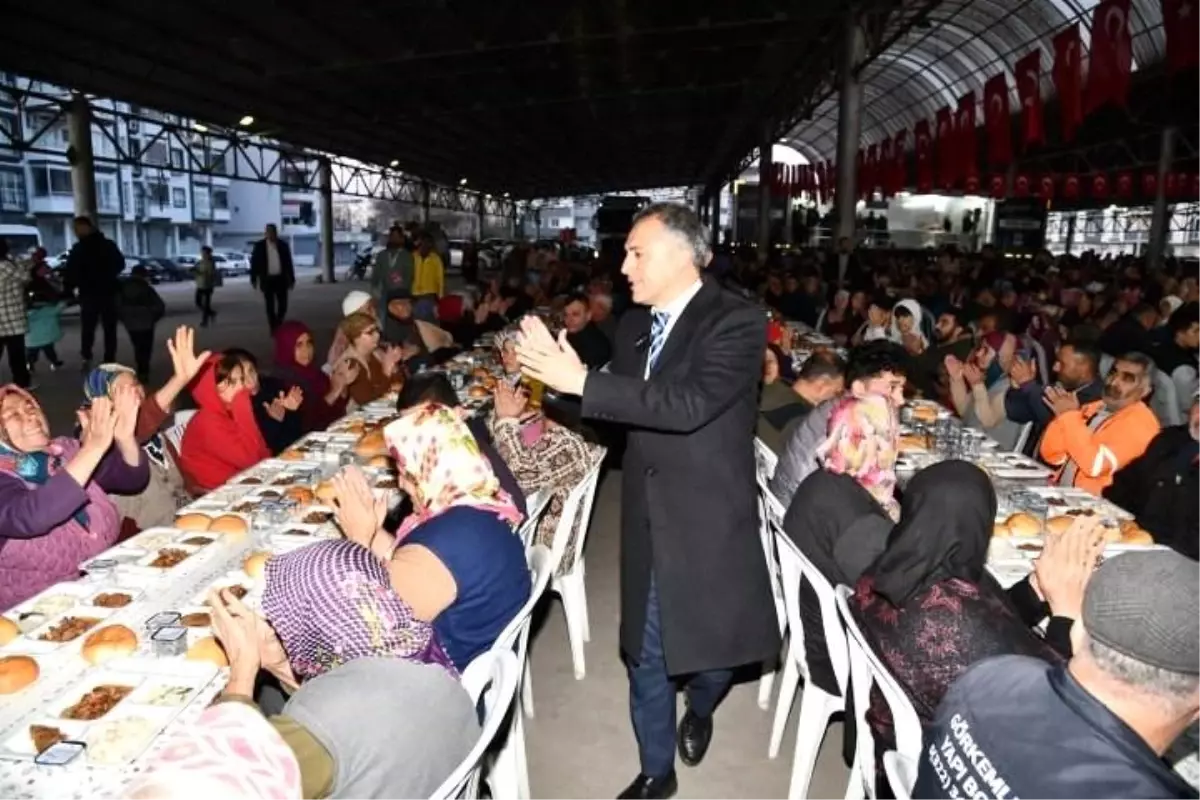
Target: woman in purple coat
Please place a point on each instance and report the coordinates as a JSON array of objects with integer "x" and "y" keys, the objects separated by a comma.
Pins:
[{"x": 54, "y": 507}]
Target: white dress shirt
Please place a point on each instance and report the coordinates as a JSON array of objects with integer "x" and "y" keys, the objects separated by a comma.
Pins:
[
  {"x": 274, "y": 266},
  {"x": 673, "y": 310}
]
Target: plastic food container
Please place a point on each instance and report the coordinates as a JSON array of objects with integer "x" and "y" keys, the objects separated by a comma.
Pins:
[{"x": 170, "y": 641}]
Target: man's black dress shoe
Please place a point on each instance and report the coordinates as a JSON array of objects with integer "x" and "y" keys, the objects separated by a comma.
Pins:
[
  {"x": 647, "y": 788},
  {"x": 695, "y": 733}
]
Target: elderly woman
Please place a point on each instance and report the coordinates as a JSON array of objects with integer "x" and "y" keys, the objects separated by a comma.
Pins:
[
  {"x": 378, "y": 371},
  {"x": 55, "y": 512},
  {"x": 355, "y": 302},
  {"x": 456, "y": 559},
  {"x": 351, "y": 652},
  {"x": 164, "y": 492},
  {"x": 545, "y": 457},
  {"x": 505, "y": 346}
]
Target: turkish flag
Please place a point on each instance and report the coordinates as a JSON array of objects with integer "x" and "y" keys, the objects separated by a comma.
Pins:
[
  {"x": 1028, "y": 73},
  {"x": 924, "y": 150},
  {"x": 1149, "y": 184},
  {"x": 1179, "y": 185},
  {"x": 996, "y": 120},
  {"x": 1100, "y": 186},
  {"x": 872, "y": 169},
  {"x": 899, "y": 162},
  {"x": 1046, "y": 187},
  {"x": 964, "y": 131},
  {"x": 1125, "y": 185},
  {"x": 1071, "y": 187},
  {"x": 887, "y": 172},
  {"x": 1111, "y": 56},
  {"x": 947, "y": 147},
  {"x": 1021, "y": 186},
  {"x": 1183, "y": 45},
  {"x": 1068, "y": 80},
  {"x": 997, "y": 187},
  {"x": 971, "y": 184}
]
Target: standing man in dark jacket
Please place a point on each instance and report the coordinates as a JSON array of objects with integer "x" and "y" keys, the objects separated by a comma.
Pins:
[
  {"x": 272, "y": 272},
  {"x": 93, "y": 272},
  {"x": 695, "y": 597}
]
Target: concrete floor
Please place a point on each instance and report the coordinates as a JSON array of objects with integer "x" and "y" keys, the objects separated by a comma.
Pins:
[{"x": 580, "y": 743}]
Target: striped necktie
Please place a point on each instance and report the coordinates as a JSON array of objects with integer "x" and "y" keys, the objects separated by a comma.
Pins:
[{"x": 658, "y": 336}]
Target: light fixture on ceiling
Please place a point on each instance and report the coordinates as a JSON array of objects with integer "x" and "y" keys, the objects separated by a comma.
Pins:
[
  {"x": 506, "y": 195},
  {"x": 395, "y": 163},
  {"x": 246, "y": 121},
  {"x": 463, "y": 182},
  {"x": 196, "y": 126}
]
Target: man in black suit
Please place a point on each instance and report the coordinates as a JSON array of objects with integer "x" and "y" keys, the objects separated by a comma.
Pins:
[
  {"x": 272, "y": 272},
  {"x": 695, "y": 596}
]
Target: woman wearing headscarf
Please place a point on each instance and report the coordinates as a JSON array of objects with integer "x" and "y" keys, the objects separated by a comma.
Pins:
[
  {"x": 862, "y": 443},
  {"x": 55, "y": 511},
  {"x": 378, "y": 370},
  {"x": 456, "y": 559},
  {"x": 505, "y": 348},
  {"x": 927, "y": 604},
  {"x": 223, "y": 437},
  {"x": 325, "y": 396},
  {"x": 908, "y": 326},
  {"x": 355, "y": 302},
  {"x": 350, "y": 652},
  {"x": 840, "y": 321}
]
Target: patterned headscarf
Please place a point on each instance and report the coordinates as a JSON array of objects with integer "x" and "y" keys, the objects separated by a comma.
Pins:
[
  {"x": 333, "y": 602},
  {"x": 437, "y": 453},
  {"x": 230, "y": 751},
  {"x": 99, "y": 383},
  {"x": 38, "y": 467},
  {"x": 862, "y": 443},
  {"x": 510, "y": 335}
]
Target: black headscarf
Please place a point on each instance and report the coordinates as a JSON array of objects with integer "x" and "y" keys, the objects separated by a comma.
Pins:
[
  {"x": 946, "y": 519},
  {"x": 837, "y": 524}
]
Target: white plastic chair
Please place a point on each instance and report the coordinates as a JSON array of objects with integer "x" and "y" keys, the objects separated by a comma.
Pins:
[
  {"x": 816, "y": 704},
  {"x": 492, "y": 676},
  {"x": 1039, "y": 354},
  {"x": 1165, "y": 400},
  {"x": 765, "y": 460},
  {"x": 901, "y": 774},
  {"x": 535, "y": 505},
  {"x": 866, "y": 670},
  {"x": 510, "y": 773},
  {"x": 1106, "y": 365},
  {"x": 1023, "y": 438},
  {"x": 769, "y": 506},
  {"x": 179, "y": 425}
]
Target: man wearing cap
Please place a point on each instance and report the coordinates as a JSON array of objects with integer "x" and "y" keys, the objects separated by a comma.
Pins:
[
  {"x": 1097, "y": 727},
  {"x": 1161, "y": 487}
]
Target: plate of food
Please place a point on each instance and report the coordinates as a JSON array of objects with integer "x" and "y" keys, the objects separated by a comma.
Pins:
[
  {"x": 56, "y": 631},
  {"x": 168, "y": 557}
]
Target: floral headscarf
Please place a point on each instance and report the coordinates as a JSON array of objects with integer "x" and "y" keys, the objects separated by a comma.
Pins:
[
  {"x": 35, "y": 468},
  {"x": 862, "y": 443},
  {"x": 436, "y": 451},
  {"x": 505, "y": 337},
  {"x": 230, "y": 751},
  {"x": 333, "y": 602}
]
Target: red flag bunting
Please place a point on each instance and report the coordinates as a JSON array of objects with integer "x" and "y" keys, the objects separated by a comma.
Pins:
[
  {"x": 872, "y": 179},
  {"x": 923, "y": 146},
  {"x": 1100, "y": 186},
  {"x": 971, "y": 185},
  {"x": 1046, "y": 187},
  {"x": 1021, "y": 186},
  {"x": 1125, "y": 186},
  {"x": 1183, "y": 45},
  {"x": 947, "y": 146},
  {"x": 1028, "y": 72},
  {"x": 1111, "y": 56},
  {"x": 996, "y": 120},
  {"x": 1068, "y": 80},
  {"x": 997, "y": 187},
  {"x": 899, "y": 163},
  {"x": 887, "y": 172},
  {"x": 1149, "y": 184},
  {"x": 1071, "y": 187},
  {"x": 964, "y": 131},
  {"x": 1181, "y": 186}
]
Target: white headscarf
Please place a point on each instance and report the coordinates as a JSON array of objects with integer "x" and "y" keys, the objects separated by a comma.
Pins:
[{"x": 918, "y": 315}]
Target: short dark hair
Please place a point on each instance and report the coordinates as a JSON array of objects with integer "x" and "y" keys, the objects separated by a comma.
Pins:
[
  {"x": 578, "y": 297},
  {"x": 1141, "y": 359},
  {"x": 206, "y": 249},
  {"x": 902, "y": 311},
  {"x": 1184, "y": 317},
  {"x": 427, "y": 387},
  {"x": 83, "y": 219},
  {"x": 882, "y": 300},
  {"x": 231, "y": 358},
  {"x": 1088, "y": 348},
  {"x": 959, "y": 316},
  {"x": 875, "y": 358},
  {"x": 1142, "y": 309},
  {"x": 822, "y": 365},
  {"x": 683, "y": 222}
]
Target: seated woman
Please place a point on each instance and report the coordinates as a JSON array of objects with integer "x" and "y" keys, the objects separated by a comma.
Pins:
[
  {"x": 545, "y": 457},
  {"x": 778, "y": 403},
  {"x": 841, "y": 320},
  {"x": 421, "y": 342},
  {"x": 978, "y": 388},
  {"x": 927, "y": 604},
  {"x": 223, "y": 437},
  {"x": 164, "y": 493},
  {"x": 351, "y": 653},
  {"x": 276, "y": 405},
  {"x": 909, "y": 326},
  {"x": 456, "y": 560},
  {"x": 434, "y": 387},
  {"x": 55, "y": 511},
  {"x": 379, "y": 371},
  {"x": 324, "y": 396},
  {"x": 355, "y": 302}
]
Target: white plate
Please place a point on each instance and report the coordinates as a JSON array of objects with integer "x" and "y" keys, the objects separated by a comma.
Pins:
[
  {"x": 150, "y": 557},
  {"x": 92, "y": 679},
  {"x": 33, "y": 642},
  {"x": 238, "y": 578},
  {"x": 18, "y": 744}
]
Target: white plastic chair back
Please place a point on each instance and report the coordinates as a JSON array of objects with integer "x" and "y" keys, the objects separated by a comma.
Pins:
[
  {"x": 179, "y": 425},
  {"x": 576, "y": 508},
  {"x": 1106, "y": 365},
  {"x": 820, "y": 328},
  {"x": 901, "y": 774},
  {"x": 792, "y": 565},
  {"x": 866, "y": 670},
  {"x": 1165, "y": 400},
  {"x": 1023, "y": 437},
  {"x": 535, "y": 505},
  {"x": 515, "y": 635},
  {"x": 1039, "y": 353},
  {"x": 765, "y": 460},
  {"x": 492, "y": 676}
]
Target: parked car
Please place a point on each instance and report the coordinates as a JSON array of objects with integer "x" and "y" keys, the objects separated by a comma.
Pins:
[
  {"x": 162, "y": 270},
  {"x": 232, "y": 263}
]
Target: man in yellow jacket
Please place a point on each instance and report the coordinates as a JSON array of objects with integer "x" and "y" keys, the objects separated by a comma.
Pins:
[
  {"x": 1092, "y": 442},
  {"x": 429, "y": 279}
]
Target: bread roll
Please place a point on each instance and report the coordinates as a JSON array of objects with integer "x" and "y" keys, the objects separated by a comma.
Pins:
[
  {"x": 229, "y": 523},
  {"x": 480, "y": 372},
  {"x": 109, "y": 642},
  {"x": 911, "y": 443},
  {"x": 9, "y": 630},
  {"x": 301, "y": 494},
  {"x": 1001, "y": 531},
  {"x": 1129, "y": 526},
  {"x": 325, "y": 492},
  {"x": 478, "y": 391},
  {"x": 1113, "y": 534},
  {"x": 193, "y": 522},
  {"x": 1022, "y": 524},
  {"x": 255, "y": 564},
  {"x": 1059, "y": 524},
  {"x": 371, "y": 444},
  {"x": 17, "y": 672},
  {"x": 1137, "y": 536},
  {"x": 382, "y": 462},
  {"x": 210, "y": 650},
  {"x": 291, "y": 454},
  {"x": 925, "y": 413}
]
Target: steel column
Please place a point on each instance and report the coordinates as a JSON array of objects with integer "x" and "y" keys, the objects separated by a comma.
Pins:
[
  {"x": 325, "y": 184},
  {"x": 424, "y": 202},
  {"x": 79, "y": 154},
  {"x": 849, "y": 128},
  {"x": 1159, "y": 226},
  {"x": 1071, "y": 216},
  {"x": 715, "y": 225},
  {"x": 480, "y": 209},
  {"x": 765, "y": 169}
]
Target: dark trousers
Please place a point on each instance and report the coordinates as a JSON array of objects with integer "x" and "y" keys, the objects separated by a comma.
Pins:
[
  {"x": 103, "y": 310},
  {"x": 275, "y": 292},
  {"x": 204, "y": 303},
  {"x": 15, "y": 347},
  {"x": 31, "y": 354},
  {"x": 143, "y": 346},
  {"x": 652, "y": 695}
]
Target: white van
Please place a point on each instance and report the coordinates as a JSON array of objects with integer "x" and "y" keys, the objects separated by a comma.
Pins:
[{"x": 22, "y": 239}]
